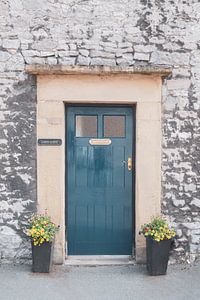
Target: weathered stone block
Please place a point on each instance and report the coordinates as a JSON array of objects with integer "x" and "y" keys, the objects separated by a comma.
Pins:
[
  {"x": 15, "y": 63},
  {"x": 178, "y": 203},
  {"x": 101, "y": 54},
  {"x": 4, "y": 56},
  {"x": 51, "y": 60},
  {"x": 178, "y": 84},
  {"x": 195, "y": 239},
  {"x": 67, "y": 60},
  {"x": 141, "y": 56},
  {"x": 173, "y": 58},
  {"x": 83, "y": 61},
  {"x": 102, "y": 62},
  {"x": 190, "y": 187},
  {"x": 196, "y": 202},
  {"x": 11, "y": 44},
  {"x": 84, "y": 52}
]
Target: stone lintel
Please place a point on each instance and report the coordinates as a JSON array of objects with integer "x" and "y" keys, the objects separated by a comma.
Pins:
[{"x": 37, "y": 69}]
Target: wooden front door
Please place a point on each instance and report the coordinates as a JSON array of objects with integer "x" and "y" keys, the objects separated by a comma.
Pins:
[{"x": 100, "y": 191}]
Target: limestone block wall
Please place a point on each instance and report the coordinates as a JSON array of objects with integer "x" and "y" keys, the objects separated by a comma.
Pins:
[{"x": 109, "y": 33}]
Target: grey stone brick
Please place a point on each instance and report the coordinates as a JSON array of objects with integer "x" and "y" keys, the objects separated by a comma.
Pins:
[
  {"x": 67, "y": 60},
  {"x": 4, "y": 56},
  {"x": 84, "y": 52},
  {"x": 83, "y": 61},
  {"x": 101, "y": 54},
  {"x": 178, "y": 203},
  {"x": 141, "y": 56},
  {"x": 170, "y": 58},
  {"x": 97, "y": 61},
  {"x": 196, "y": 202},
  {"x": 11, "y": 44}
]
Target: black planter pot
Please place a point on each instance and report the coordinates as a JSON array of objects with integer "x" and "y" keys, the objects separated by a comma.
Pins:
[
  {"x": 42, "y": 257},
  {"x": 157, "y": 256}
]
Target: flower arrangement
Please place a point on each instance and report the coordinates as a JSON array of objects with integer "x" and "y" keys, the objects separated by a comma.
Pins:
[
  {"x": 42, "y": 229},
  {"x": 158, "y": 229}
]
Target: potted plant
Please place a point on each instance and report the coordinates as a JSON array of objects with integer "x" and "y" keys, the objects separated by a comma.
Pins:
[
  {"x": 159, "y": 239},
  {"x": 42, "y": 232}
]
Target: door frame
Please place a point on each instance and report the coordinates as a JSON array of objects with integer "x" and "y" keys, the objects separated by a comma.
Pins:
[
  {"x": 53, "y": 93},
  {"x": 103, "y": 105}
]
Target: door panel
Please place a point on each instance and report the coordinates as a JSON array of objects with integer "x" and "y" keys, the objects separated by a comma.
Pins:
[{"x": 99, "y": 214}]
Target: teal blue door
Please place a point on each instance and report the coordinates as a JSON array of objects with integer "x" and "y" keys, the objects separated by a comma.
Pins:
[{"x": 100, "y": 194}]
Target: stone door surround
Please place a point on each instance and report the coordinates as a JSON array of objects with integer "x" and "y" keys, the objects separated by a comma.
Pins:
[{"x": 58, "y": 86}]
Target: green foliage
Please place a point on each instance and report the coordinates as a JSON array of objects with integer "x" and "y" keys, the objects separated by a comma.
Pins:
[
  {"x": 42, "y": 229},
  {"x": 158, "y": 229}
]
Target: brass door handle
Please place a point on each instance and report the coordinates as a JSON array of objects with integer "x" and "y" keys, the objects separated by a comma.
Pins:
[{"x": 129, "y": 163}]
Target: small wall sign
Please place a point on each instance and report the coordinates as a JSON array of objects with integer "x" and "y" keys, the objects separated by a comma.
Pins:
[
  {"x": 100, "y": 142},
  {"x": 49, "y": 142}
]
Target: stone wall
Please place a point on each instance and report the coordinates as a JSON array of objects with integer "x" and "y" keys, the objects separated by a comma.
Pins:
[
  {"x": 17, "y": 162},
  {"x": 94, "y": 32}
]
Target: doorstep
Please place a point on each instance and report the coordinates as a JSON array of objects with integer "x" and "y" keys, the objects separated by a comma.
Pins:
[{"x": 99, "y": 260}]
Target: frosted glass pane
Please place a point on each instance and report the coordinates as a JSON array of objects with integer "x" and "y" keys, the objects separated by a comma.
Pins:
[
  {"x": 114, "y": 126},
  {"x": 86, "y": 126}
]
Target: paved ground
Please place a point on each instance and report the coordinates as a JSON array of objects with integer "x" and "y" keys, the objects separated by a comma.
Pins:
[{"x": 99, "y": 283}]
